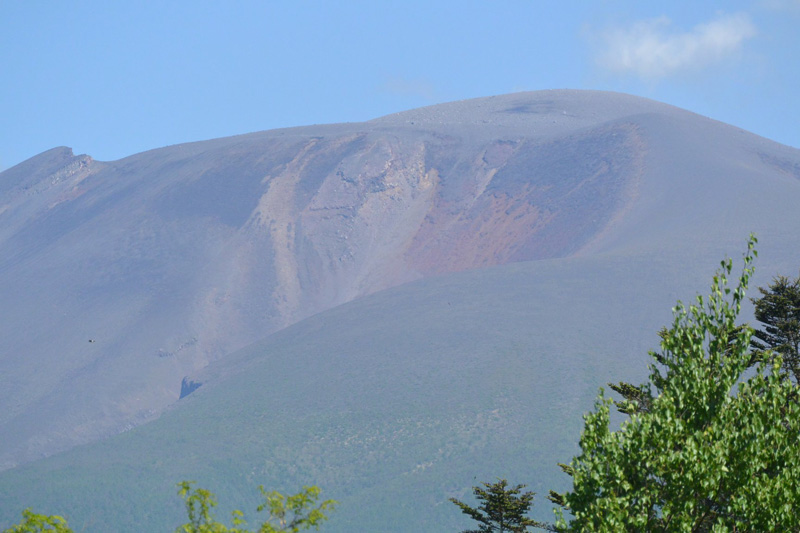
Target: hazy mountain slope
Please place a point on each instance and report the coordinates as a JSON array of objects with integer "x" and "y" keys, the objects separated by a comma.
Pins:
[
  {"x": 176, "y": 257},
  {"x": 172, "y": 258},
  {"x": 610, "y": 208},
  {"x": 394, "y": 402}
]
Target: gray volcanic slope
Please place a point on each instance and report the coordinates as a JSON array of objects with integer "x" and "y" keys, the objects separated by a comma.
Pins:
[
  {"x": 605, "y": 208},
  {"x": 173, "y": 258}
]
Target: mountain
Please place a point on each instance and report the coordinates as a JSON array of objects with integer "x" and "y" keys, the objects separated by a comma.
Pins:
[{"x": 388, "y": 309}]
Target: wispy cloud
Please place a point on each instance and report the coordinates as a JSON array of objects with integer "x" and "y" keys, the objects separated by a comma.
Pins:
[{"x": 651, "y": 49}]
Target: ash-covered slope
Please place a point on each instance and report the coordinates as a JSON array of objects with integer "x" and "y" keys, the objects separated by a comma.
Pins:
[
  {"x": 121, "y": 278},
  {"x": 391, "y": 403}
]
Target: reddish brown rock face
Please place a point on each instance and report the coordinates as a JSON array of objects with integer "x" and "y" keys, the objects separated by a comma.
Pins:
[{"x": 532, "y": 200}]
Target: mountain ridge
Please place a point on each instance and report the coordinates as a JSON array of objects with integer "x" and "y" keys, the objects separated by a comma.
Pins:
[{"x": 173, "y": 258}]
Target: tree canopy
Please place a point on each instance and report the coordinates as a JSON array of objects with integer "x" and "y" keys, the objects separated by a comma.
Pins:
[
  {"x": 703, "y": 449},
  {"x": 36, "y": 523},
  {"x": 778, "y": 310},
  {"x": 286, "y": 514},
  {"x": 503, "y": 509}
]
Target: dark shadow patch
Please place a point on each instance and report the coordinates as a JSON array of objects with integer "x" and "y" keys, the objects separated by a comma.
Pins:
[
  {"x": 786, "y": 166},
  {"x": 188, "y": 386},
  {"x": 535, "y": 108}
]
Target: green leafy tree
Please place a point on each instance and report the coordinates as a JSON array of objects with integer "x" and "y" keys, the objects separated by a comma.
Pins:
[
  {"x": 35, "y": 523},
  {"x": 503, "y": 508},
  {"x": 286, "y": 514},
  {"x": 703, "y": 448},
  {"x": 199, "y": 508},
  {"x": 778, "y": 310},
  {"x": 294, "y": 513}
]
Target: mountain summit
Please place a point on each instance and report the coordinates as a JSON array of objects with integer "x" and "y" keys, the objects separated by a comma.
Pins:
[{"x": 122, "y": 280}]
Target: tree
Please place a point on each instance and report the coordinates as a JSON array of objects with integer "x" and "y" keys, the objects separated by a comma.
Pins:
[
  {"x": 293, "y": 513},
  {"x": 36, "y": 523},
  {"x": 199, "y": 504},
  {"x": 703, "y": 448},
  {"x": 503, "y": 508},
  {"x": 778, "y": 310},
  {"x": 287, "y": 514}
]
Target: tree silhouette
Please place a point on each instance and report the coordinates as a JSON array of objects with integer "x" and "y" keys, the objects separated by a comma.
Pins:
[
  {"x": 503, "y": 508},
  {"x": 778, "y": 310}
]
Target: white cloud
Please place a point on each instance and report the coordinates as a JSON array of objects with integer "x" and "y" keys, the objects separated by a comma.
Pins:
[{"x": 649, "y": 49}]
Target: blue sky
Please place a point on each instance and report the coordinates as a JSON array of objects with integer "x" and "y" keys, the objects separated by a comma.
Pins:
[{"x": 114, "y": 78}]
